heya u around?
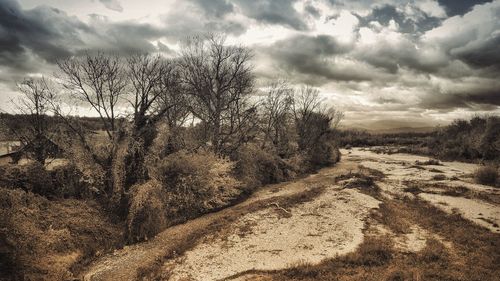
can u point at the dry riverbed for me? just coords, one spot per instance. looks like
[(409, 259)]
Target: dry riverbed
[(367, 218)]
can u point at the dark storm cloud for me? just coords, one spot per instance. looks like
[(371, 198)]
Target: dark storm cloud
[(392, 57), (45, 34), (272, 12), (311, 58), (413, 25), (460, 7), (473, 39), (126, 37), (112, 5), (487, 54), (481, 99), (279, 12), (215, 8), (47, 31), (312, 10), (482, 96)]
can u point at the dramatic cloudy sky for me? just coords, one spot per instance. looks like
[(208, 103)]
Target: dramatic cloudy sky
[(382, 62)]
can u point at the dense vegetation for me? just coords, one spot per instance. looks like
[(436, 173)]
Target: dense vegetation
[(188, 140)]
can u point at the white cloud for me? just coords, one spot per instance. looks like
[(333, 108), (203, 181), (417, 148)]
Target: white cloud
[(342, 27), (432, 8), (474, 26)]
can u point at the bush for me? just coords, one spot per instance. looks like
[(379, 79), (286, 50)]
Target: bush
[(147, 211), (487, 175), (30, 177), (298, 164), (63, 181), (323, 153), (256, 167), (67, 182), (49, 240), (196, 182), (184, 185)]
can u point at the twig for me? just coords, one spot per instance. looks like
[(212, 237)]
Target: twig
[(281, 208)]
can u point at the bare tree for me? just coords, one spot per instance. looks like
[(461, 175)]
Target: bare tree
[(277, 115), (174, 103), (99, 81), (34, 106), (155, 82), (313, 119), (218, 78), (156, 96)]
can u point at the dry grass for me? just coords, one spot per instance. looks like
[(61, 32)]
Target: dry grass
[(413, 187), (455, 191), (51, 240), (439, 177), (433, 162), (363, 179), (487, 175)]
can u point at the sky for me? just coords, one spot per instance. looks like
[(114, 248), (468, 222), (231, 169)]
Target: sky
[(383, 63)]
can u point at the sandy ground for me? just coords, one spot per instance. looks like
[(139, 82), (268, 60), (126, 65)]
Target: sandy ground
[(482, 213), (329, 225), (401, 169), (260, 235)]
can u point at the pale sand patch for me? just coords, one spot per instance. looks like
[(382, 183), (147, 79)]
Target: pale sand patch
[(474, 187), (327, 226), (395, 161), (482, 213)]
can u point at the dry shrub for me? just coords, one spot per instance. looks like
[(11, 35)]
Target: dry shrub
[(93, 175), (147, 211), (428, 162), (323, 153), (64, 181), (67, 182), (298, 164), (256, 167), (30, 177), (434, 252), (50, 240), (196, 182), (184, 185), (363, 179), (439, 177), (487, 175)]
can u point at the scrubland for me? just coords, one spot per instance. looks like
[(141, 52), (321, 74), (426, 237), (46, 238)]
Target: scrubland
[(197, 180), (191, 143)]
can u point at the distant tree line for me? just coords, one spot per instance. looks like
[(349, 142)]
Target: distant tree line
[(477, 139)]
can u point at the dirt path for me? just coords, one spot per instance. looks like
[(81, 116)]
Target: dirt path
[(301, 222)]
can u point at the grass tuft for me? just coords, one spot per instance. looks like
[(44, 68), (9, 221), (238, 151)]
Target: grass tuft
[(487, 175)]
